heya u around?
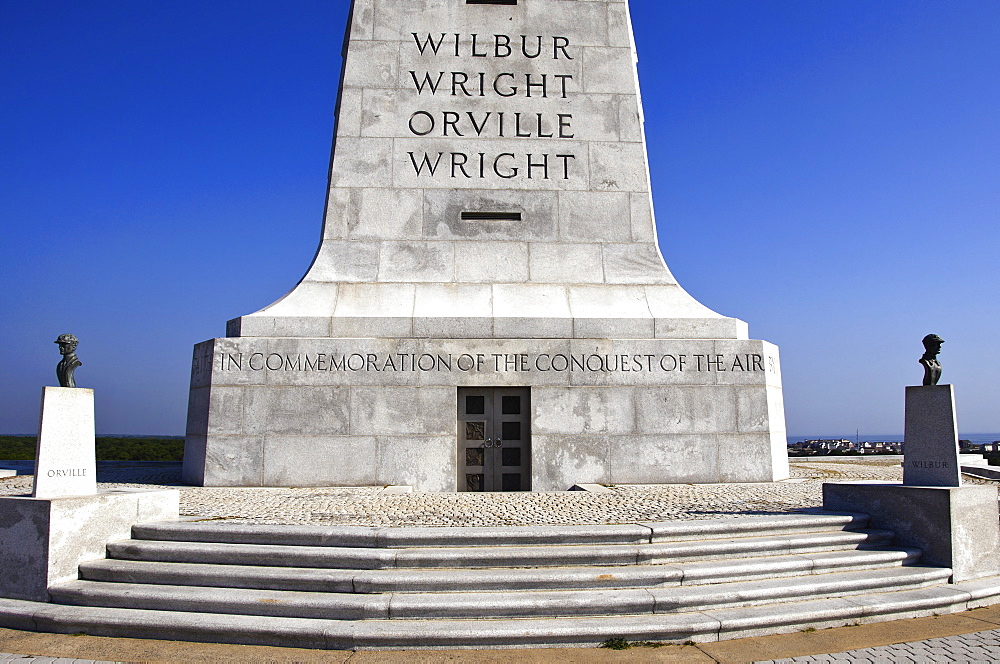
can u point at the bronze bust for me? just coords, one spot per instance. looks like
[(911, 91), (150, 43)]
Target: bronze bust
[(932, 368), (69, 363)]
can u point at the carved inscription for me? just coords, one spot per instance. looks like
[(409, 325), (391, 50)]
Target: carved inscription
[(455, 78), (928, 464), (72, 472), (489, 362)]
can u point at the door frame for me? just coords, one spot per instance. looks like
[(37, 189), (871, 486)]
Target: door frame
[(488, 428)]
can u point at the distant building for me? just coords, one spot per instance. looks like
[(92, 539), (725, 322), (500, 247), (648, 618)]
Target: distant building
[(836, 446), (984, 448)]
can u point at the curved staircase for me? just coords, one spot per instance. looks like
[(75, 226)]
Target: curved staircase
[(353, 588)]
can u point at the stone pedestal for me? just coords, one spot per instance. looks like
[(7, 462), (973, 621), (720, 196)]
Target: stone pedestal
[(65, 461), (930, 451), (44, 540), (956, 527)]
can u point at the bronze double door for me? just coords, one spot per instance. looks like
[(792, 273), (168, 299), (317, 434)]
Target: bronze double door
[(494, 439)]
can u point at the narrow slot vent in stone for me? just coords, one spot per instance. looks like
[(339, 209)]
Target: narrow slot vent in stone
[(491, 2), (491, 216)]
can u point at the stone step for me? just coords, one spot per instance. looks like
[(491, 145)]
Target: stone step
[(363, 537), (493, 557), (492, 604), (444, 580), (703, 626)]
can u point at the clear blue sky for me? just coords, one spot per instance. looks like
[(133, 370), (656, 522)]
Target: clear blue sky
[(827, 170)]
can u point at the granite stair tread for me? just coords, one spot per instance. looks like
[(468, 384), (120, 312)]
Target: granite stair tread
[(491, 604), (440, 588), (806, 520), (498, 556), (700, 626), (452, 579)]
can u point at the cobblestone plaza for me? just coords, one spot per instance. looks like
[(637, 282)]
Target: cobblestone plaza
[(378, 506)]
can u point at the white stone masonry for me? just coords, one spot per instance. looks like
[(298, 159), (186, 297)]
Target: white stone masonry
[(489, 180), (489, 225), (65, 455)]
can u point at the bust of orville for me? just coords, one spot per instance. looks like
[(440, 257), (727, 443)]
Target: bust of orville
[(68, 364)]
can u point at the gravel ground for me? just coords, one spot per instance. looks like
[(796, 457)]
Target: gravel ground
[(371, 506)]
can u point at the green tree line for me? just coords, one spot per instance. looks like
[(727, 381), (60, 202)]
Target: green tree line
[(22, 448)]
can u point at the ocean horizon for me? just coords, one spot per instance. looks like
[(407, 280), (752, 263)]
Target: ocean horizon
[(975, 438)]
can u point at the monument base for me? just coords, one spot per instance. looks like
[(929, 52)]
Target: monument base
[(484, 414), (65, 459), (44, 540), (956, 527)]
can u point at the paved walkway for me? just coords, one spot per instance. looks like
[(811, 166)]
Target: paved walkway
[(9, 658), (977, 647)]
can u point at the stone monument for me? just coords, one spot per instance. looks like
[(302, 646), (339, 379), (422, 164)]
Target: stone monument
[(956, 526), (488, 308), (930, 435), (65, 521), (65, 458)]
